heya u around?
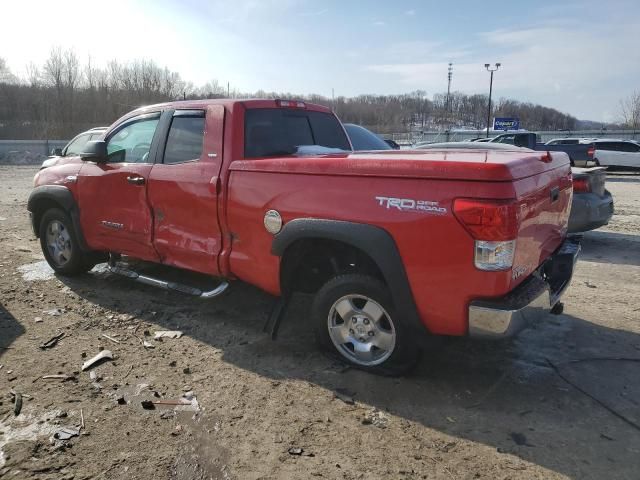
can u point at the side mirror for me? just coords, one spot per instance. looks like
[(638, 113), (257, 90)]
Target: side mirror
[(56, 152), (95, 151)]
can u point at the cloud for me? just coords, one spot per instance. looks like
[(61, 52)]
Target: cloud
[(410, 13), (378, 23)]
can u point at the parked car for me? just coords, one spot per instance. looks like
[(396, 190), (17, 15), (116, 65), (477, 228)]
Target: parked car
[(395, 246), (363, 139), (616, 153), (392, 143), (579, 154), (592, 204), (570, 141), (74, 147)]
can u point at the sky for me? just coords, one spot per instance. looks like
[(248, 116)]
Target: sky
[(580, 57)]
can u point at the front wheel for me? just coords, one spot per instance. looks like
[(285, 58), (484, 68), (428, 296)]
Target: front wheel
[(355, 319), (60, 246)]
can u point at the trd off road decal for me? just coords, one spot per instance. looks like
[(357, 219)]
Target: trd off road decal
[(410, 205)]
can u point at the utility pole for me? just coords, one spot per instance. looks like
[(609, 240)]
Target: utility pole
[(228, 96), (491, 70), (449, 76)]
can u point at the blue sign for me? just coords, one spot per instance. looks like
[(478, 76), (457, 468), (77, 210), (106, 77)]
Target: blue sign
[(501, 123)]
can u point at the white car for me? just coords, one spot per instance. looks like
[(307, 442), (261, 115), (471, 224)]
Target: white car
[(617, 153)]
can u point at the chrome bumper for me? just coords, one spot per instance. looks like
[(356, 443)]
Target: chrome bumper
[(531, 301)]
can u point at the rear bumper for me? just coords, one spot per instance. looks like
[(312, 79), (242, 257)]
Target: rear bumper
[(590, 211), (531, 301)]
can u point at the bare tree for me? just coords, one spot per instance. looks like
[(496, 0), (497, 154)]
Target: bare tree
[(630, 109), (5, 73)]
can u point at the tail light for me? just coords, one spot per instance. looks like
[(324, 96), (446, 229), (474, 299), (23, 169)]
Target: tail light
[(591, 151), (494, 225), (581, 185)]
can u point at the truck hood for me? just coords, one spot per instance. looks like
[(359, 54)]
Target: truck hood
[(449, 164)]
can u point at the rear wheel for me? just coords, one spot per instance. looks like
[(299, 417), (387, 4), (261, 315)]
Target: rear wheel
[(356, 321), (59, 243)]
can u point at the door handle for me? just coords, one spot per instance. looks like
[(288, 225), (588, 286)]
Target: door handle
[(136, 180)]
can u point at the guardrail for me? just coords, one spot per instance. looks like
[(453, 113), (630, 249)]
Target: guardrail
[(42, 147)]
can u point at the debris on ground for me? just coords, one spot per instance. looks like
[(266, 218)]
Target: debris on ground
[(103, 355), (52, 341), (55, 312), (295, 451), (63, 376), (17, 399), (65, 433), (167, 334), (376, 418), (111, 339)]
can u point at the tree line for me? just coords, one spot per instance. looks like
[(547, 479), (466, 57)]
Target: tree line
[(65, 96)]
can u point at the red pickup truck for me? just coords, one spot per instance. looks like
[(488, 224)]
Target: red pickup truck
[(394, 244)]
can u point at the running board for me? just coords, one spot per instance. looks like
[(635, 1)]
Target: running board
[(178, 287)]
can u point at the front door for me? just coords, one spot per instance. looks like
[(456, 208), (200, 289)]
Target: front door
[(183, 189), (115, 214)]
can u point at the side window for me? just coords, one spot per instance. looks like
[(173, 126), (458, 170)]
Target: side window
[(605, 146), (131, 143), (629, 147), (184, 142), (76, 145)]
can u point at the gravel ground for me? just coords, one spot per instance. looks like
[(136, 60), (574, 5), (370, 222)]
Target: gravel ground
[(562, 400)]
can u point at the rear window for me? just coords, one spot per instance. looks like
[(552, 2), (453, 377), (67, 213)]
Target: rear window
[(278, 131)]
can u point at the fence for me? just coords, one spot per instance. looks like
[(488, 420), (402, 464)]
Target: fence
[(410, 138), (35, 147)]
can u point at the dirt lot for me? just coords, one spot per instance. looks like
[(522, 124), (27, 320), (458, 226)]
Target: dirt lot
[(527, 408)]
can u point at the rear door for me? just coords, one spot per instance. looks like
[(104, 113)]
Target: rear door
[(609, 153), (183, 189), (114, 211)]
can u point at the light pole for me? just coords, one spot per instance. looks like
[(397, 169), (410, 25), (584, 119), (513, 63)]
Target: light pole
[(449, 76), (491, 70)]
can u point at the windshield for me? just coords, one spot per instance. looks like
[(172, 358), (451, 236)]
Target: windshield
[(278, 131)]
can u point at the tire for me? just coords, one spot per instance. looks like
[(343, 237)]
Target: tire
[(60, 246), (370, 336)]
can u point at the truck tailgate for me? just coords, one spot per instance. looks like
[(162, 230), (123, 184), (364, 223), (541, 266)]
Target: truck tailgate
[(545, 203)]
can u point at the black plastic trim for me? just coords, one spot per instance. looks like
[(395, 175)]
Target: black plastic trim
[(62, 196), (374, 241)]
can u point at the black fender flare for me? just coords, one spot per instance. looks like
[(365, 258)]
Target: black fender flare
[(59, 195), (374, 241)]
